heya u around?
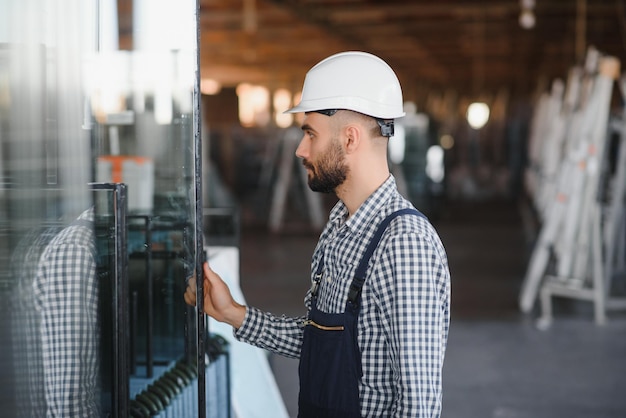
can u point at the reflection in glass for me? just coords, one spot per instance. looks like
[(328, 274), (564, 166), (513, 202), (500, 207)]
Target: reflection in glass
[(87, 329), (152, 152), (48, 326)]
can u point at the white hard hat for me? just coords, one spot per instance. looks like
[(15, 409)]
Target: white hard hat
[(355, 81)]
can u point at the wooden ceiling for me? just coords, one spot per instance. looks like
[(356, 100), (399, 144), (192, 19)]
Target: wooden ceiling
[(463, 46)]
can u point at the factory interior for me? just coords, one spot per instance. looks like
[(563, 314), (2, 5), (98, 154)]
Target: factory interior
[(153, 132)]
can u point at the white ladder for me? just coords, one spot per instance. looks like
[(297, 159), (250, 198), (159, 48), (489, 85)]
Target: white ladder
[(608, 233), (572, 218)]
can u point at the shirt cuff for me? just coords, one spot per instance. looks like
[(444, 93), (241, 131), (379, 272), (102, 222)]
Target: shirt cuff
[(252, 327)]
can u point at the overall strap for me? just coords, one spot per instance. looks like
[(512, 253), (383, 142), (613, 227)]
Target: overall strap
[(359, 276)]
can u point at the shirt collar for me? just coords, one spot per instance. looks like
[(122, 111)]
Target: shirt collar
[(87, 215), (373, 206)]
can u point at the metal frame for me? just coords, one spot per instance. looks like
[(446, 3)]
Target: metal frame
[(120, 311), (201, 322)]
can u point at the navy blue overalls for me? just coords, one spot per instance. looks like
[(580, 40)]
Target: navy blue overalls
[(330, 360)]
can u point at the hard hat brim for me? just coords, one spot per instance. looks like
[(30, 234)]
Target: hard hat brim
[(309, 107)]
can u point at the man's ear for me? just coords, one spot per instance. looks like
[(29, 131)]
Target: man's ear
[(353, 137)]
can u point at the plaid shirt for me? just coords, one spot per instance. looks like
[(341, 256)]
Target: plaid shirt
[(66, 298), (404, 318), (27, 360)]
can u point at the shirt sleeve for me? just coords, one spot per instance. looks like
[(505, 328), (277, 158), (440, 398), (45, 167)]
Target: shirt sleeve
[(417, 311), (66, 292), (278, 334)]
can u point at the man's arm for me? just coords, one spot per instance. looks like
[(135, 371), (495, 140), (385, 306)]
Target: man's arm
[(419, 324)]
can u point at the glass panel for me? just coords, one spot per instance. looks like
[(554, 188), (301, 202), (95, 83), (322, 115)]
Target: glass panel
[(48, 292), (92, 319), (156, 161), (142, 100)]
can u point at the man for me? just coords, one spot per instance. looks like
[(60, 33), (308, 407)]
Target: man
[(368, 347)]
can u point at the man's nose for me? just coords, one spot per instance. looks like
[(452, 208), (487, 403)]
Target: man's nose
[(301, 151)]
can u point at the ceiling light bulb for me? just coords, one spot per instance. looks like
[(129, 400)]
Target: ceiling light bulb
[(477, 114), (210, 86), (527, 19)]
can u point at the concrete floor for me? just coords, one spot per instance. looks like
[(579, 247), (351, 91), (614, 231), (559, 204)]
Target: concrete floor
[(498, 364)]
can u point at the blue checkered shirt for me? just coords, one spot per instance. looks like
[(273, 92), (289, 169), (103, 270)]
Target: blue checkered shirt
[(66, 298), (405, 309)]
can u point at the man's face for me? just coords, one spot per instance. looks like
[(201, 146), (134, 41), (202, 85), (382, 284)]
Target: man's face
[(322, 154)]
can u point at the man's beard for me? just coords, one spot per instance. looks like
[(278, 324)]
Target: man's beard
[(330, 171)]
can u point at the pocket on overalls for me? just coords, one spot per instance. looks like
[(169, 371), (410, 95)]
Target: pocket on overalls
[(328, 375)]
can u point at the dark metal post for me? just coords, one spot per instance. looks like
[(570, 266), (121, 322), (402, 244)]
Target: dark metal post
[(121, 313), (150, 324), (200, 316)]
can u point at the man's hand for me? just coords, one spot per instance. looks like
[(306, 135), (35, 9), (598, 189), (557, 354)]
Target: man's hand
[(190, 292), (218, 301)]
